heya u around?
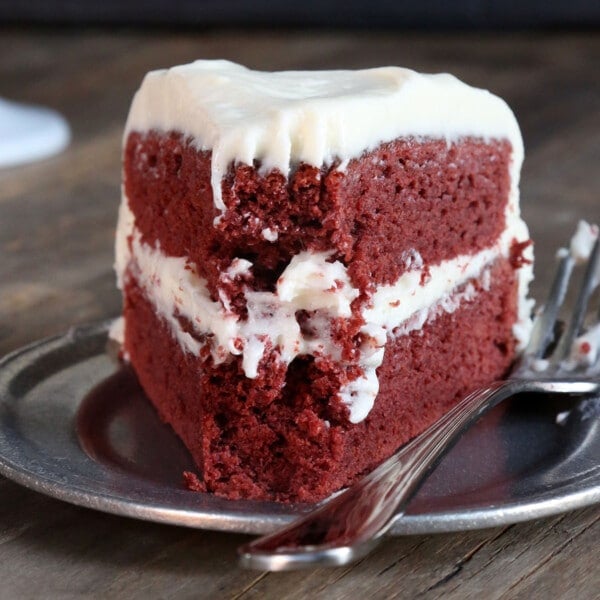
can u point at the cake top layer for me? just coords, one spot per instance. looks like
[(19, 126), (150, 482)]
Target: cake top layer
[(316, 117)]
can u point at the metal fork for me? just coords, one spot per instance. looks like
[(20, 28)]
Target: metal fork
[(349, 525)]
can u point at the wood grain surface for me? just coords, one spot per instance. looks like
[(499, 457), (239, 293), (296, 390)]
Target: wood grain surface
[(57, 223)]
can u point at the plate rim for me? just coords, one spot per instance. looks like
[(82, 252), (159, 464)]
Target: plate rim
[(247, 523)]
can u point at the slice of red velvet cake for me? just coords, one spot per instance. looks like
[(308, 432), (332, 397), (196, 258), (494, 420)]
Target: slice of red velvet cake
[(316, 265)]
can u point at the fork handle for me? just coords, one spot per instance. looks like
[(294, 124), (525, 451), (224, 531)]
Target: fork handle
[(348, 526)]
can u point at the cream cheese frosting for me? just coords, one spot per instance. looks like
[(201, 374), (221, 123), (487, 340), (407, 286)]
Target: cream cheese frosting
[(582, 243), (316, 117), (279, 120), (311, 282)]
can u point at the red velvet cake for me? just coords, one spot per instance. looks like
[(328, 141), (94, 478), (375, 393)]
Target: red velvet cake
[(316, 265)]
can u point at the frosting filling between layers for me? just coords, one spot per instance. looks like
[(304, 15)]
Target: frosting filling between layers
[(315, 283)]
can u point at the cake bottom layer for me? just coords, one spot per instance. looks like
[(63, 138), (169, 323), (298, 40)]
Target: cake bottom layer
[(285, 436)]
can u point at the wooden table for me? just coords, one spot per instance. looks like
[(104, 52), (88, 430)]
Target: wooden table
[(57, 221)]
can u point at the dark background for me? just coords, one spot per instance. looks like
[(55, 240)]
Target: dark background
[(436, 14)]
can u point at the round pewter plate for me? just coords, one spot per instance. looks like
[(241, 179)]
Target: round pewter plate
[(75, 425)]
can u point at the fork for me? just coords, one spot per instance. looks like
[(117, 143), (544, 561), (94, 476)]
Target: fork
[(349, 525)]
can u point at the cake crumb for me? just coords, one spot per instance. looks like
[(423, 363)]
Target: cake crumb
[(192, 482)]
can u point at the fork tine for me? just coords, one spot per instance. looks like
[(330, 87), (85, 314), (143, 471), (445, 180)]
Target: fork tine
[(543, 326), (589, 283)]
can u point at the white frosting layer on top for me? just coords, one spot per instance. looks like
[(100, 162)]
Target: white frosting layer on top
[(316, 117)]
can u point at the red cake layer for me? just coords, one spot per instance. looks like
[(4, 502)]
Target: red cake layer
[(261, 439), (371, 214)]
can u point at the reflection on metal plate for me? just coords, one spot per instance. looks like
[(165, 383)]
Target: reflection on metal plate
[(75, 425)]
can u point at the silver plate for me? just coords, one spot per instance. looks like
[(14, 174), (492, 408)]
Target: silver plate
[(75, 425)]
